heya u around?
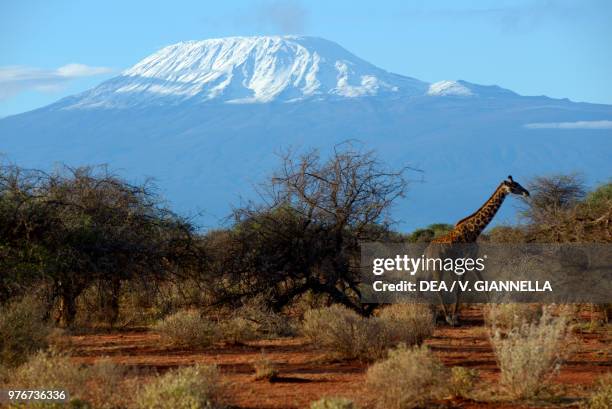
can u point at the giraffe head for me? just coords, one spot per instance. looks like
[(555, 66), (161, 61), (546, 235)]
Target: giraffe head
[(514, 187)]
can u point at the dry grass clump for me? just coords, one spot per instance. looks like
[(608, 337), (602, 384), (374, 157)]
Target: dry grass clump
[(408, 378), (253, 320), (407, 323), (463, 380), (343, 332), (347, 335), (528, 355), (86, 385), (511, 315), (237, 330), (194, 387), (51, 370), (602, 395), (192, 329), (332, 403), (105, 385), (265, 369), (188, 328), (23, 330)]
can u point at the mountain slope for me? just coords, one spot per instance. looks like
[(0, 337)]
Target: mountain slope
[(161, 118)]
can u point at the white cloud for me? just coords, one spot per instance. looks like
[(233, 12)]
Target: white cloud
[(81, 70), (571, 125), (16, 79)]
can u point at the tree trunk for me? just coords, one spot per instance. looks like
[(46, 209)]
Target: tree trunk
[(67, 308), (67, 294), (114, 301)]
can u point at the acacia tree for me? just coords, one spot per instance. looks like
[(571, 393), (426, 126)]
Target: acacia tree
[(560, 210), (78, 226), (552, 195), (305, 234)]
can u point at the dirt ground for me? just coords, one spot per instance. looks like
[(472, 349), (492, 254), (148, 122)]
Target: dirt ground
[(305, 374)]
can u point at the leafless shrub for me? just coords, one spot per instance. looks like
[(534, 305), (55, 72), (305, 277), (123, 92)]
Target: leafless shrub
[(304, 236), (266, 323), (550, 196)]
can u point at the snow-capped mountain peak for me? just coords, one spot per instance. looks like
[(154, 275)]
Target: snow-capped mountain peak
[(248, 70)]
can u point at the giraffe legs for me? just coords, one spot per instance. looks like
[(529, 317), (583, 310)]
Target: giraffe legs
[(454, 317), (437, 276), (449, 311)]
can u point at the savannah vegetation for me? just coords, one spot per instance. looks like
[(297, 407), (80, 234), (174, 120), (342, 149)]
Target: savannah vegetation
[(85, 252)]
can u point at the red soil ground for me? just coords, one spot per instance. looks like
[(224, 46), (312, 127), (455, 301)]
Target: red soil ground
[(305, 375)]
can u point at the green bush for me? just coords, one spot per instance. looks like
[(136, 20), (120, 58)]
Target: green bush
[(188, 328), (194, 387), (23, 330), (332, 403), (600, 197), (408, 378)]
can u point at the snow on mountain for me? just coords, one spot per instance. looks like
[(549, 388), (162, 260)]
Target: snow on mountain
[(446, 88), (466, 89), (247, 70)]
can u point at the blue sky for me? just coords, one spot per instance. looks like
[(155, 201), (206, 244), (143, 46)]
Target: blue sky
[(50, 49)]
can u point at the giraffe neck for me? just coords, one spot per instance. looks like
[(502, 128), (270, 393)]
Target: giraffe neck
[(471, 226)]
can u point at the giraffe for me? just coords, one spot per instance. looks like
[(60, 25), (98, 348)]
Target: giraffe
[(467, 231)]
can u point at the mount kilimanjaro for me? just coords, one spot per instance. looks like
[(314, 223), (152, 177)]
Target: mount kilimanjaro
[(205, 118)]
